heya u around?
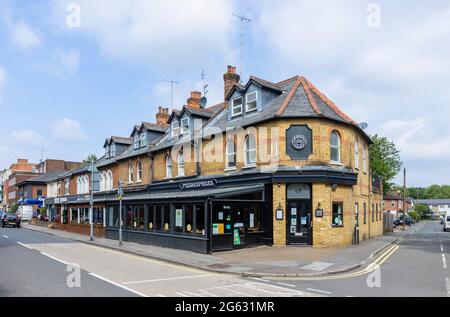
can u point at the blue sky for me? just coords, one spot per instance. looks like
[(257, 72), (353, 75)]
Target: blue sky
[(64, 90)]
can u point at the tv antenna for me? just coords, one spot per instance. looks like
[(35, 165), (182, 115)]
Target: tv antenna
[(243, 20), (205, 85), (42, 156), (172, 84)]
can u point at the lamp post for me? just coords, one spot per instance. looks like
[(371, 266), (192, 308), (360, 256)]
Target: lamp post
[(120, 194), (91, 202)]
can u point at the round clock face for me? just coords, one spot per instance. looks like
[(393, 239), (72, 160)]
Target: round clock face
[(299, 142)]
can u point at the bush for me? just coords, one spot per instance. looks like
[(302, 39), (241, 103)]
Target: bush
[(14, 208), (415, 215)]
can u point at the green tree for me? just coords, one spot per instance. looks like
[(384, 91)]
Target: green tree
[(385, 161), (14, 208), (89, 159), (423, 211)]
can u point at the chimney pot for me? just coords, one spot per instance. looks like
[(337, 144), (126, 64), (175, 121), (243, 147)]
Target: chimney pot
[(194, 100), (231, 79), (162, 117)]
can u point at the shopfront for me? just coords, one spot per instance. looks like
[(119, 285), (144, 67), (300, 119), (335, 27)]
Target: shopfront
[(299, 214)]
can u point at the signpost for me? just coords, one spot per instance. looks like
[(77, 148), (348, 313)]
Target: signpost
[(95, 179), (120, 194)]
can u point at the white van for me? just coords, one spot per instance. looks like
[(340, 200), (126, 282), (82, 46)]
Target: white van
[(447, 222), (25, 212)]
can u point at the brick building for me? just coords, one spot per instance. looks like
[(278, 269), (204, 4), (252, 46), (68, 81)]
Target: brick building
[(275, 163)]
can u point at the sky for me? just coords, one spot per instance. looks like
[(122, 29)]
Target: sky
[(73, 73)]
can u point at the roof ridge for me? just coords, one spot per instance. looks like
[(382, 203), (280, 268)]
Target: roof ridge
[(289, 97), (287, 80), (330, 103), (311, 100)]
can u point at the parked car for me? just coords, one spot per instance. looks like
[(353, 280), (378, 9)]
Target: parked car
[(447, 223), (11, 220), (25, 212), (399, 221)]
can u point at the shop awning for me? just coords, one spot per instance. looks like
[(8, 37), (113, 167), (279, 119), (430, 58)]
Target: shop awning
[(206, 193)]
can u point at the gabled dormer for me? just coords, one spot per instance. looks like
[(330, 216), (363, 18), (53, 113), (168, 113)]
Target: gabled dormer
[(147, 133), (251, 98), (115, 146)]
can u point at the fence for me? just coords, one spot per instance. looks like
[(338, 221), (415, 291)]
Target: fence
[(388, 222)]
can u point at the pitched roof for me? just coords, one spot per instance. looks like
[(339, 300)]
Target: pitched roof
[(43, 178), (121, 140), (155, 127)]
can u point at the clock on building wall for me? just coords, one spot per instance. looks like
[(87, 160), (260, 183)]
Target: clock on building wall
[(299, 142), (299, 145)]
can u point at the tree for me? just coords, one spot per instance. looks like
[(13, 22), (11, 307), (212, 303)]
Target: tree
[(14, 208), (89, 159), (385, 161), (422, 210)]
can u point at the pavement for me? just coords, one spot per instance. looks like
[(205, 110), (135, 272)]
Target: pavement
[(263, 261)]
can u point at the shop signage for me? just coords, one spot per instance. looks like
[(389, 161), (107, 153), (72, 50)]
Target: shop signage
[(319, 213), (236, 237), (199, 185)]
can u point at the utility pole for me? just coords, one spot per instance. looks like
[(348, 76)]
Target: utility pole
[(404, 199), (120, 194), (243, 21)]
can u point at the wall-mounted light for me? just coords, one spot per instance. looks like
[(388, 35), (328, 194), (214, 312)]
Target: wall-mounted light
[(334, 187)]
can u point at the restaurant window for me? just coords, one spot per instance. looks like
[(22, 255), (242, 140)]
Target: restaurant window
[(129, 216), (222, 219), (200, 219), (151, 218), (189, 218), (166, 218), (338, 215), (180, 164), (98, 216), (168, 166), (74, 217), (138, 222), (231, 154), (254, 220), (113, 216), (250, 150), (335, 147), (159, 218), (178, 218)]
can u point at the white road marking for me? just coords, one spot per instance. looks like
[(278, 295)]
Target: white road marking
[(444, 261), (285, 284), (318, 291), (260, 279), (447, 285), (24, 245), (118, 285), (53, 258), (442, 248), (6, 237), (166, 279)]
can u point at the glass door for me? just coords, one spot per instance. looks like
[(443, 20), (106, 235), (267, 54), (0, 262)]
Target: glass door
[(299, 222)]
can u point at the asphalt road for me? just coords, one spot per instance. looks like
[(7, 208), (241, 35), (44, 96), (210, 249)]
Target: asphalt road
[(35, 264)]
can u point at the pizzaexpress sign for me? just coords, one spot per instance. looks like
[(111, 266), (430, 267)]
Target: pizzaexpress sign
[(199, 185)]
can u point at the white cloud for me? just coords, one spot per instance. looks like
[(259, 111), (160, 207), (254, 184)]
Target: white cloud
[(28, 137), (174, 33), (68, 130), (68, 60), (23, 36)]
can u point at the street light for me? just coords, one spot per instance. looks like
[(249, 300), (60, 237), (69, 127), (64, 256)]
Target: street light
[(120, 196)]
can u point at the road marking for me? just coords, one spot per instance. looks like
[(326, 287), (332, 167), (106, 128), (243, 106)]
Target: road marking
[(318, 291), (24, 245), (442, 248), (260, 279), (444, 261), (447, 285), (117, 284), (166, 279), (4, 236), (53, 258), (285, 284)]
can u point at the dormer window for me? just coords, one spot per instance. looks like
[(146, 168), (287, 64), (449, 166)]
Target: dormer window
[(107, 152), (136, 142), (143, 139), (251, 103), (175, 128), (236, 106), (112, 151), (184, 129)]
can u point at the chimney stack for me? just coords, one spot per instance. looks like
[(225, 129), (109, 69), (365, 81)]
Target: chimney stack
[(194, 100), (231, 79), (162, 116)]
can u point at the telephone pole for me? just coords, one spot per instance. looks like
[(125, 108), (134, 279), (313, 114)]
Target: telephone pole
[(404, 199)]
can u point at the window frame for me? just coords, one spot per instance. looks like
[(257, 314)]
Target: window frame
[(136, 141), (228, 165), (180, 164), (143, 139), (175, 126), (169, 160), (247, 102), (130, 173), (247, 151), (233, 107), (341, 213), (184, 126), (139, 171), (338, 147)]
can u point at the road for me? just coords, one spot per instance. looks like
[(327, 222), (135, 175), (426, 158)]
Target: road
[(35, 264)]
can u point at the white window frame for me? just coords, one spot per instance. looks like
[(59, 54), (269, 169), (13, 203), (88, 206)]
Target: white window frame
[(107, 151), (228, 154), (356, 155), (175, 126), (143, 139), (247, 102), (181, 164), (112, 150), (248, 150), (138, 172), (184, 128), (136, 141), (332, 146), (169, 164), (233, 114), (109, 181), (130, 173)]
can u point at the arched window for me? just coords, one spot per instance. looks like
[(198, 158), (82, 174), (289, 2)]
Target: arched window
[(130, 173), (180, 164), (110, 181), (78, 185), (139, 171), (168, 166), (250, 150), (356, 154), (230, 154), (102, 182), (335, 147)]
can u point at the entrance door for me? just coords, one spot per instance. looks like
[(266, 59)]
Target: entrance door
[(299, 222), (299, 214)]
